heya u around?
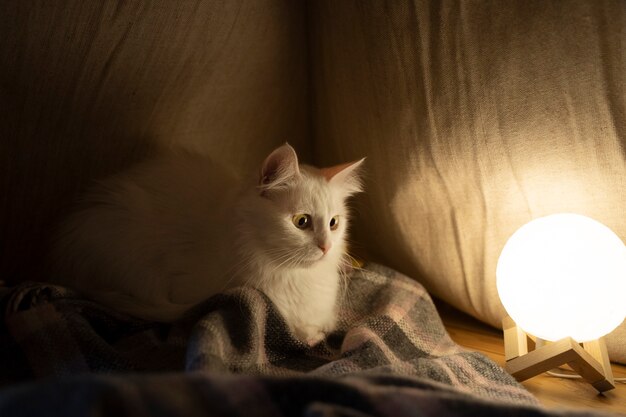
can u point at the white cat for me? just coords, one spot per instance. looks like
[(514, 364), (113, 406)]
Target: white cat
[(166, 235)]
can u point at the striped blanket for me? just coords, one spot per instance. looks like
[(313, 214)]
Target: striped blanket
[(233, 355)]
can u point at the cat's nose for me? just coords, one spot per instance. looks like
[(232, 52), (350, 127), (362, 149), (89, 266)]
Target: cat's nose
[(325, 247)]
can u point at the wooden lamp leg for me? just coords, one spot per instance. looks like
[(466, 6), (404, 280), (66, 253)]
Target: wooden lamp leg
[(515, 339), (597, 350)]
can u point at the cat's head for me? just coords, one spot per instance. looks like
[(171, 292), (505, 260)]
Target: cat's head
[(302, 215)]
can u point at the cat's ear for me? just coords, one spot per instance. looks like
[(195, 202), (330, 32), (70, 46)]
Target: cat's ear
[(347, 176), (279, 169)]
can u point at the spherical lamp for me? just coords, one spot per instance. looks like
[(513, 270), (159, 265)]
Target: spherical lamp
[(562, 279), (564, 275)]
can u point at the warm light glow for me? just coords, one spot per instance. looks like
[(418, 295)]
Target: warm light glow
[(564, 275)]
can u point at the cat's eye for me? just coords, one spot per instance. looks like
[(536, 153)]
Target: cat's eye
[(334, 223), (301, 221)]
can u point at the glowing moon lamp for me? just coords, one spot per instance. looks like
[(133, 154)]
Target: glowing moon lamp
[(562, 279), (564, 275)]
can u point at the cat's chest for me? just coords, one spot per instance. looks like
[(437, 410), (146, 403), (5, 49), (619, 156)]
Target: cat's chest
[(303, 286)]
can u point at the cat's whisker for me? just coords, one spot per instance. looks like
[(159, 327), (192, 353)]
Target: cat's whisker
[(287, 257), (349, 261)]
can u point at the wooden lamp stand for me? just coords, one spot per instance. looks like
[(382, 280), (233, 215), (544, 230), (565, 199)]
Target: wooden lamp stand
[(591, 361)]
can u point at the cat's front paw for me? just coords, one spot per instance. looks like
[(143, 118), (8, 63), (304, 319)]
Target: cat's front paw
[(310, 334)]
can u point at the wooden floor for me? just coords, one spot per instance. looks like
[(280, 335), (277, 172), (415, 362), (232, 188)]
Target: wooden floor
[(551, 391)]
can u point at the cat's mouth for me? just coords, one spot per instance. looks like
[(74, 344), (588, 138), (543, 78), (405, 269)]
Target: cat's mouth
[(307, 261), (322, 256), (314, 259)]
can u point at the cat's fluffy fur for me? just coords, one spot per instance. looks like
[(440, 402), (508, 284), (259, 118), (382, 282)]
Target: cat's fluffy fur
[(166, 235)]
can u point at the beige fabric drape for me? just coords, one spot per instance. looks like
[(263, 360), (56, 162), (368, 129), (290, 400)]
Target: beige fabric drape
[(476, 117)]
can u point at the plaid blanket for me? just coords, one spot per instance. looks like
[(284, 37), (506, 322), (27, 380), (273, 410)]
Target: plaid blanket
[(233, 355)]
